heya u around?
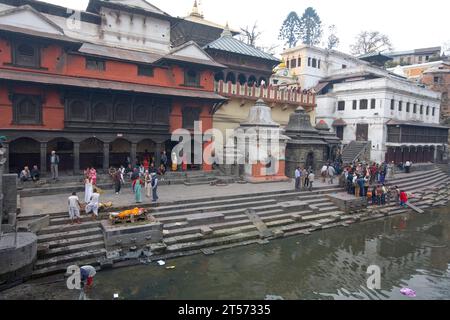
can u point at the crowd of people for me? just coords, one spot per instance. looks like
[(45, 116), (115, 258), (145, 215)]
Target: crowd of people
[(370, 181)]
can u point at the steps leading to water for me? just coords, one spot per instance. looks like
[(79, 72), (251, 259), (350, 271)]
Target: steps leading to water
[(217, 222)]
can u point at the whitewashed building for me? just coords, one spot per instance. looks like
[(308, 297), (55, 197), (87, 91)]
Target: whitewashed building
[(363, 102)]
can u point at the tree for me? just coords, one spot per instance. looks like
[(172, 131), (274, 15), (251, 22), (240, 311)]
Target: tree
[(250, 36), (333, 40), (310, 27), (369, 42), (290, 29)]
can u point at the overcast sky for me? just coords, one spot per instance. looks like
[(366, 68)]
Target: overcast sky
[(410, 24)]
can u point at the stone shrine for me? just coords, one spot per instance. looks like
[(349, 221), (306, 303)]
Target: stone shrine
[(308, 147), (261, 145)]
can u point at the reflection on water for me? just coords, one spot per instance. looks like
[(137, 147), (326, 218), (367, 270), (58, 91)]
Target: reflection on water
[(411, 250)]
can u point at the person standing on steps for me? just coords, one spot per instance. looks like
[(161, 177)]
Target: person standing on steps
[(117, 178), (298, 175), (93, 204), (391, 171), (154, 184), (311, 177), (138, 190), (88, 189), (74, 208), (54, 163), (147, 184), (331, 173), (408, 165)]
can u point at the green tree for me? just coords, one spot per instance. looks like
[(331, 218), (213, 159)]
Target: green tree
[(310, 27), (290, 29)]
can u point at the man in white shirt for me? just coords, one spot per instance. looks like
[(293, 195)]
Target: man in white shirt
[(331, 174), (74, 208), (323, 172), (93, 205), (298, 175), (311, 177), (408, 166)]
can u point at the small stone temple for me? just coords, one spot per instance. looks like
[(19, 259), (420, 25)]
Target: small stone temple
[(308, 147), (261, 145)]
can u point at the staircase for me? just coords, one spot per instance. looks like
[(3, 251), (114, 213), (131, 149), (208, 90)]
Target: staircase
[(355, 150), (218, 222)]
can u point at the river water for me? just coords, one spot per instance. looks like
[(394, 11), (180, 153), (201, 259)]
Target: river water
[(411, 251)]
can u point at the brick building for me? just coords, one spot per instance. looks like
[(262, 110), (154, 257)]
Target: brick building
[(97, 86)]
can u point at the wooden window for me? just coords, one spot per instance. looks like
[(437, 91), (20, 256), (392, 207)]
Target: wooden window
[(341, 105), (421, 109), (340, 132), (392, 104), (122, 112), (428, 110), (434, 111), (293, 63), (78, 110), (299, 62), (145, 71), (27, 109), (408, 107), (400, 106), (191, 78), (344, 66), (100, 112), (373, 103), (26, 55), (415, 108), (161, 115), (190, 115), (363, 104), (287, 64), (354, 104), (314, 63), (95, 64), (309, 62), (318, 64)]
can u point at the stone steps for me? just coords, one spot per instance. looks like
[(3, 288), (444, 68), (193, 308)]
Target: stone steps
[(71, 257), (79, 247), (69, 227), (68, 234), (72, 242)]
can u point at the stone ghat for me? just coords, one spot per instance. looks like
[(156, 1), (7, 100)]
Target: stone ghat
[(209, 225)]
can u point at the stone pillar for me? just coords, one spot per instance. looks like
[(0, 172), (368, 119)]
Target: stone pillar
[(76, 158), (6, 157), (158, 155), (133, 154), (43, 166), (106, 157)]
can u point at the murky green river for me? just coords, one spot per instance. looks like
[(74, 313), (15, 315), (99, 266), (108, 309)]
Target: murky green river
[(411, 250)]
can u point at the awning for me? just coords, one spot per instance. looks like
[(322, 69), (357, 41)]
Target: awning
[(339, 123), (319, 87), (52, 79)]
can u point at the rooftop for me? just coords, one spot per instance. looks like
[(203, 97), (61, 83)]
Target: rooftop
[(229, 44), (415, 51)]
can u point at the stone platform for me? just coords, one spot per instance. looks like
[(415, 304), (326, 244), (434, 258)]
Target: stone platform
[(347, 202), (120, 236)]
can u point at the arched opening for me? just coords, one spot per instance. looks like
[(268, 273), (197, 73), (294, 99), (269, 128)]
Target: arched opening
[(231, 78), (242, 79), (146, 149), (309, 164), (91, 153), (262, 82), (119, 151), (64, 149), (219, 76), (24, 152), (252, 81)]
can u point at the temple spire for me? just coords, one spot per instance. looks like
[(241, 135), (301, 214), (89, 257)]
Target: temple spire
[(195, 11), (226, 32)]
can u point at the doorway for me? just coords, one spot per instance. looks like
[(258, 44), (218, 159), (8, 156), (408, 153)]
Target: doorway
[(362, 132)]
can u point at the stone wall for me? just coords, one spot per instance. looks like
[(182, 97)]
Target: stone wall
[(10, 195)]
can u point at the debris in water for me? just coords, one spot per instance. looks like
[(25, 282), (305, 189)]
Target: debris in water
[(170, 267), (273, 297), (161, 262), (408, 292)]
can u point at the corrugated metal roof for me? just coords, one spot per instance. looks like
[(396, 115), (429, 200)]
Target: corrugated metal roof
[(121, 54), (53, 79), (393, 122), (231, 44)]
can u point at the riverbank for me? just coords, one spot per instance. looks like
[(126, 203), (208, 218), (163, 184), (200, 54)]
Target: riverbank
[(222, 222), (412, 250)]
